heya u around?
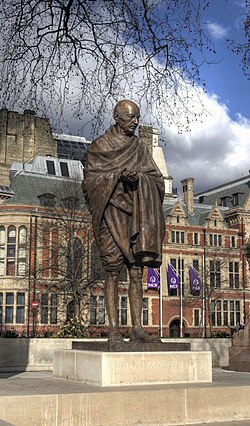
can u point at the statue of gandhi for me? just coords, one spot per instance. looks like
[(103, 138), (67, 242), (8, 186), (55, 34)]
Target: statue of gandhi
[(124, 190)]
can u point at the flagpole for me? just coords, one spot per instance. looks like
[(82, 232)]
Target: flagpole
[(160, 301), (203, 295), (181, 295)]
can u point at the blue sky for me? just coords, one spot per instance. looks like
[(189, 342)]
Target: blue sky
[(224, 19), (217, 149)]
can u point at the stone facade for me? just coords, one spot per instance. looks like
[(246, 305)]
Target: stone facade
[(22, 136)]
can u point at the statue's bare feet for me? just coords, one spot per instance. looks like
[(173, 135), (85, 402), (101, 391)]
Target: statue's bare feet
[(115, 336), (139, 335)]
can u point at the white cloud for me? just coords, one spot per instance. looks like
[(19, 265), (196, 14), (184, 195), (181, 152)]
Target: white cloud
[(215, 151), (216, 30)]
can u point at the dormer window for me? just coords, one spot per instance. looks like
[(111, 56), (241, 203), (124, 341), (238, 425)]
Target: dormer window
[(47, 200), (224, 201), (64, 168), (51, 167), (70, 203)]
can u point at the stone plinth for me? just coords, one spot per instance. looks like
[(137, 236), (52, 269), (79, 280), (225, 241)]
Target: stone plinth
[(133, 368), (131, 346), (239, 353)]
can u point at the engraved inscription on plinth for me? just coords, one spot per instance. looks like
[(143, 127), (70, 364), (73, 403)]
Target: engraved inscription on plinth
[(158, 368), (138, 368)]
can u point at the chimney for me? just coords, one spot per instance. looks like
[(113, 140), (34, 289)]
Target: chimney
[(188, 193)]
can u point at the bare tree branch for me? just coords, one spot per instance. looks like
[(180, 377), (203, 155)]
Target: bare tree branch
[(84, 55)]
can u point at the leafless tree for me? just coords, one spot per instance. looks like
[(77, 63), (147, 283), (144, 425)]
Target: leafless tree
[(68, 264), (85, 55), (215, 281), (243, 48)]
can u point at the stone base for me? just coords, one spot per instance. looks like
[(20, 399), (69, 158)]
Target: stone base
[(132, 368), (239, 359), (134, 346)]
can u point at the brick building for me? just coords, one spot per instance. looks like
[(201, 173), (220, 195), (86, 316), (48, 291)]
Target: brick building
[(206, 231)]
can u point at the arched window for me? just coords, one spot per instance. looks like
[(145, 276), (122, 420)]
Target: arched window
[(11, 251), (47, 200), (22, 250)]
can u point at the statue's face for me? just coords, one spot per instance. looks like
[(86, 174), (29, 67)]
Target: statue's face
[(127, 118)]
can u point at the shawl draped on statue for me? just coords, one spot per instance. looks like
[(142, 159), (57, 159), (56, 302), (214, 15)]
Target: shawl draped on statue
[(132, 211)]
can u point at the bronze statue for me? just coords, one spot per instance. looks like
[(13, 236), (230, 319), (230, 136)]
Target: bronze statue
[(124, 190)]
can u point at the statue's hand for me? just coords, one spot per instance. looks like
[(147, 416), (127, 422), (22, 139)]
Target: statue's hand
[(129, 176)]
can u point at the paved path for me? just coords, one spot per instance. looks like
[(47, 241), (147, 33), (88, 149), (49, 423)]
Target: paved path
[(43, 383)]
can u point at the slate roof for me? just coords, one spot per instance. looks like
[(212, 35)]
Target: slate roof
[(239, 186), (28, 187)]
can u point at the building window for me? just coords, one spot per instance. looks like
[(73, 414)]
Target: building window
[(215, 223), (235, 199), (196, 240), (218, 313), (101, 310), (178, 237), (20, 306), (9, 308), (215, 240), (64, 169), (215, 273), (225, 313), (47, 200), (196, 264), (92, 309), (13, 252), (234, 275), (196, 317), (224, 201), (145, 311), (22, 251), (12, 308), (97, 313), (48, 308), (44, 309), (233, 241), (124, 311), (53, 308), (51, 167), (177, 219)]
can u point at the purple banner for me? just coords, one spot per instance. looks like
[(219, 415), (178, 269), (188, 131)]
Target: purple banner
[(173, 280), (153, 279), (195, 281)]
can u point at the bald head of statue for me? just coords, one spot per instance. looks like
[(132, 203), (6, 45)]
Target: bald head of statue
[(126, 115)]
